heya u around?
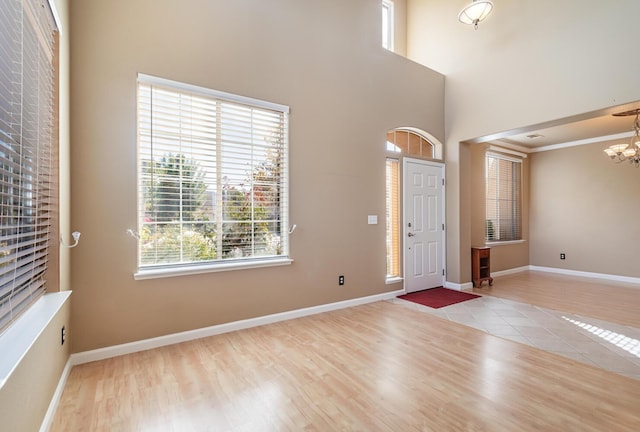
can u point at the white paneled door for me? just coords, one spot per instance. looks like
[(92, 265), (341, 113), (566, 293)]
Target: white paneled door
[(423, 224)]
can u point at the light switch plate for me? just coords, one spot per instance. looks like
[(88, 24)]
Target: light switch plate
[(372, 219)]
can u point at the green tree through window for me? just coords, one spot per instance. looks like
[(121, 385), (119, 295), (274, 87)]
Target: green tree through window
[(212, 179)]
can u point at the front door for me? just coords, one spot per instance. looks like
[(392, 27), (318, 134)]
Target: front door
[(423, 224)]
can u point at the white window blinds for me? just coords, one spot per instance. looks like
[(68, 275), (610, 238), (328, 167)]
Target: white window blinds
[(212, 176), (393, 217), (27, 186), (503, 198)]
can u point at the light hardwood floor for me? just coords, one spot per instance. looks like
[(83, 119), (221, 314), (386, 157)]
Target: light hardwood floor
[(376, 367), (596, 298)]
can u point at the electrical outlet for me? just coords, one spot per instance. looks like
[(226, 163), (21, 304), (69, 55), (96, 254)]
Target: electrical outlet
[(562, 256), (63, 335), (340, 280)]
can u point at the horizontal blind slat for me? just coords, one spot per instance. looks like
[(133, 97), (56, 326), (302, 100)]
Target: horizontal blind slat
[(212, 199), (26, 184), (503, 198)]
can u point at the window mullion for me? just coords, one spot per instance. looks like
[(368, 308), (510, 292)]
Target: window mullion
[(219, 189), (252, 220), (179, 160)]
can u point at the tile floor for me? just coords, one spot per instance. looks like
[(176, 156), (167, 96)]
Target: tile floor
[(613, 347)]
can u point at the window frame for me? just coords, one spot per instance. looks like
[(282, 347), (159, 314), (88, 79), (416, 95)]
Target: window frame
[(156, 270), (515, 202), (393, 236), (29, 150), (389, 28)]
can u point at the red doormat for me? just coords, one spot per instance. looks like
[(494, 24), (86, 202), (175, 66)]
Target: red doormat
[(438, 297)]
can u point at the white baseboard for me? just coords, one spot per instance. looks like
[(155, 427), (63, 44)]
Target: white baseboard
[(457, 286), (55, 400), (146, 344), (617, 278), (510, 271)]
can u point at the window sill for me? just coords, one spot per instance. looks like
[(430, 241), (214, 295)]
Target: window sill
[(156, 273), (20, 336), (392, 280), (504, 243)]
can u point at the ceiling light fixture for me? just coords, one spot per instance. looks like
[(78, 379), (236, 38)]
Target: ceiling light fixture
[(475, 12), (631, 152)]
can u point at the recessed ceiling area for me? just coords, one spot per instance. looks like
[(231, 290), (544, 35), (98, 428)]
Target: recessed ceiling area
[(590, 126)]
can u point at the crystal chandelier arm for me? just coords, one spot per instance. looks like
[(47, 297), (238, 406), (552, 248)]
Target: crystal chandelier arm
[(631, 152)]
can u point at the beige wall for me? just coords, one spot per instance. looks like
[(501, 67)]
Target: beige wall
[(586, 206), (400, 27), (530, 62), (324, 59)]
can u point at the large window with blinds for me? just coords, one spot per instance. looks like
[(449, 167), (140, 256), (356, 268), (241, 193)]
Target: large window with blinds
[(213, 176), (503, 220), (27, 183)]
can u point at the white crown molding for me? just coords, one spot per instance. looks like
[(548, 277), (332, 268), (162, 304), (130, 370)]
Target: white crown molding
[(500, 149), (582, 142), (508, 145), (512, 146)]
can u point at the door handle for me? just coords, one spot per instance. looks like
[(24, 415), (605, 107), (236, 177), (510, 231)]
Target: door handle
[(411, 234)]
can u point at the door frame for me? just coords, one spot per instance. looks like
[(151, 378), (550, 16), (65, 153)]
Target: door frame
[(441, 165)]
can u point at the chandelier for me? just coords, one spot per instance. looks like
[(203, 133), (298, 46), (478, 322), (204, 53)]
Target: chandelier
[(631, 152), (475, 12)]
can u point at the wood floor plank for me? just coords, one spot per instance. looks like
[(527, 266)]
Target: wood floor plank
[(376, 367)]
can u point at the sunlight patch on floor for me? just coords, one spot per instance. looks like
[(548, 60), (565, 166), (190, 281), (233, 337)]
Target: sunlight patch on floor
[(626, 343)]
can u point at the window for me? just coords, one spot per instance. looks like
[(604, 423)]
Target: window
[(504, 198), (387, 24), (27, 182), (212, 176), (393, 218), (409, 143)]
